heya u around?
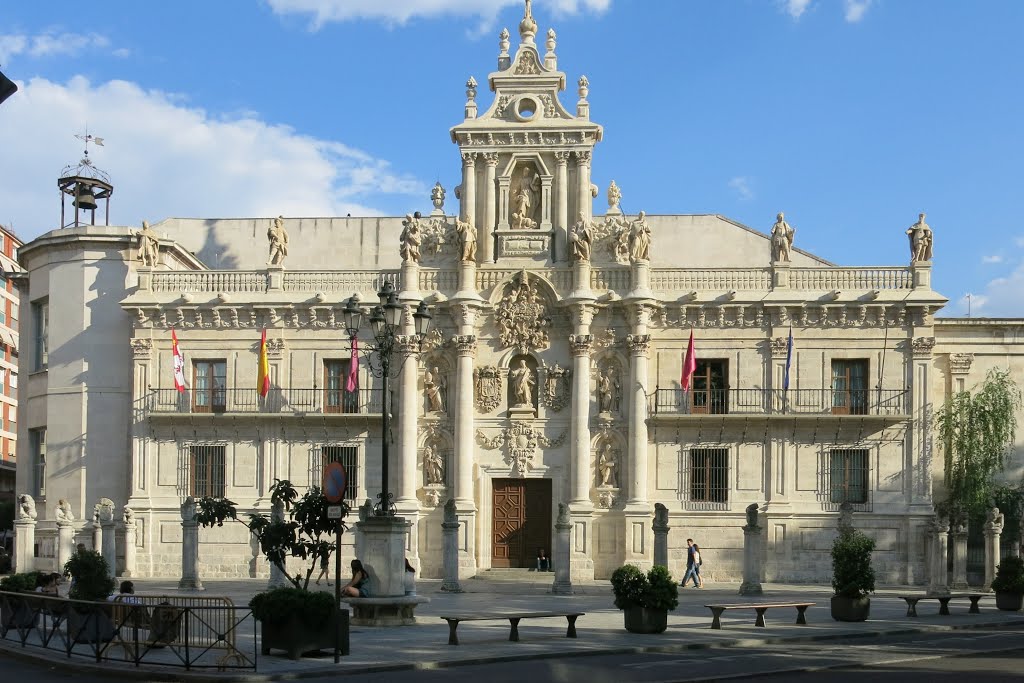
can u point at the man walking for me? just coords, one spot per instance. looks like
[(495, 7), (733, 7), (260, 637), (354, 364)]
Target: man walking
[(692, 564)]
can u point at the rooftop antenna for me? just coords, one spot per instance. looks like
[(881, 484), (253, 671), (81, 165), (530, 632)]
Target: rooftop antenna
[(968, 305)]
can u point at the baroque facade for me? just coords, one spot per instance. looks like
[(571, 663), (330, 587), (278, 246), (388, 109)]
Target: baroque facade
[(552, 375)]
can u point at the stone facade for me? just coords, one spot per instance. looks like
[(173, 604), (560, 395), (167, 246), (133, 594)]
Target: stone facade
[(552, 376)]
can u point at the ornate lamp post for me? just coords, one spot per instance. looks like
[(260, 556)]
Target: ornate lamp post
[(385, 322)]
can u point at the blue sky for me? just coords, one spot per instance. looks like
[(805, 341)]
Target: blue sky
[(850, 115)]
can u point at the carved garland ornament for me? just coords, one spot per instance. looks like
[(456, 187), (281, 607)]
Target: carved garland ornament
[(521, 441)]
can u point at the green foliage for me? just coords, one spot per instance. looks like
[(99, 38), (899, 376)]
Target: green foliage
[(852, 575), (314, 609), (91, 575), (655, 590), (1010, 501), (1009, 576), (977, 432), (20, 582), (307, 534)]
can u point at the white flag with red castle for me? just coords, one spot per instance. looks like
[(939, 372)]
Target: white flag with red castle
[(179, 364)]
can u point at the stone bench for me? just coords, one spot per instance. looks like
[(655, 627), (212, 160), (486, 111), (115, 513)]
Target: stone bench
[(761, 607), (398, 610), (513, 619), (912, 601)]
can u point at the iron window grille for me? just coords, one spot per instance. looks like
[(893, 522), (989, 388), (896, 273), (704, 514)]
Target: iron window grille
[(206, 471), (846, 478), (348, 456), (706, 479)]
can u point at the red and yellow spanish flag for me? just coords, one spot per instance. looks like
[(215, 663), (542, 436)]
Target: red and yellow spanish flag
[(179, 363), (263, 373)]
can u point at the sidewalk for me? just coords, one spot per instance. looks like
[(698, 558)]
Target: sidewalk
[(425, 645)]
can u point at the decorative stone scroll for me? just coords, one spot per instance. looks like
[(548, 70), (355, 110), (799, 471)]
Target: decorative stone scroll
[(521, 441)]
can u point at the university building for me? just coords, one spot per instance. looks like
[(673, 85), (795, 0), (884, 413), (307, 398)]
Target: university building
[(552, 375)]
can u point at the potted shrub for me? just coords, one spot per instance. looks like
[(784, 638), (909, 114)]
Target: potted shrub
[(852, 576), (15, 612), (1009, 584), (295, 620), (645, 599), (91, 582)]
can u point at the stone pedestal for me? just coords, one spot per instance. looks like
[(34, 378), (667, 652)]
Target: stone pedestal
[(410, 281), (780, 274), (110, 546), (97, 537), (384, 555), (467, 281), (641, 281), (751, 561), (938, 572), (450, 550), (563, 551), (959, 558), (129, 549), (189, 548), (24, 545), (518, 413), (275, 278), (993, 530), (65, 543), (661, 528)]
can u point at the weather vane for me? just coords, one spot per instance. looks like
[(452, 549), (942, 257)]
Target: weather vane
[(87, 138)]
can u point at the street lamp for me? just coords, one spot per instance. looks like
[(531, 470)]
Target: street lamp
[(385, 319)]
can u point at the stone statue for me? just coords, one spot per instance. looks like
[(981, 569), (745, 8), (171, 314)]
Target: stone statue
[(149, 246), (522, 384), (435, 389), (920, 241), (188, 510), (581, 239), (782, 239), (640, 239), (563, 515), (128, 515), (63, 512), (606, 466), (106, 510), (365, 510), (451, 515), (27, 508), (752, 515), (278, 237), (433, 466), (994, 519), (467, 239), (411, 238), (660, 515), (437, 196), (525, 200), (607, 391), (614, 197), (96, 514)]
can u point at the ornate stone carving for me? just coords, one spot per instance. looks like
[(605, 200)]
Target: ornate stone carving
[(432, 497), (583, 87), (527, 65), (465, 344), (27, 508), (960, 363), (779, 347), (435, 390), (521, 441), (639, 239), (128, 515), (523, 318), (188, 509), (782, 240), (149, 246), (487, 387), (275, 348), (438, 193), (524, 200), (142, 348), (581, 344), (467, 240), (920, 241), (614, 198), (433, 341), (609, 390), (522, 380), (278, 238), (638, 344), (433, 466), (411, 238), (606, 498), (581, 238), (607, 466), (556, 387), (105, 509), (922, 346), (63, 513)]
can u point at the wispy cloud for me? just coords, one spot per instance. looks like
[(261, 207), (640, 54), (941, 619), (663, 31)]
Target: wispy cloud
[(741, 185), (854, 10), (993, 258), (52, 44), (796, 8)]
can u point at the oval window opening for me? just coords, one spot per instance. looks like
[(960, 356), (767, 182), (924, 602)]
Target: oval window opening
[(527, 108)]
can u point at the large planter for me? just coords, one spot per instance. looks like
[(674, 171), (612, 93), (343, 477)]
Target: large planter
[(1011, 602), (90, 625), (298, 638), (851, 609), (645, 619)]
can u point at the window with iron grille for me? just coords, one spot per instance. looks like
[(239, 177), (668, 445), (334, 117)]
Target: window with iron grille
[(37, 449), (209, 383), (848, 475), (348, 456), (709, 475), (337, 399), (206, 471)]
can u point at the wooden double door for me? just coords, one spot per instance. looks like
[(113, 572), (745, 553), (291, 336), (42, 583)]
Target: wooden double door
[(521, 521)]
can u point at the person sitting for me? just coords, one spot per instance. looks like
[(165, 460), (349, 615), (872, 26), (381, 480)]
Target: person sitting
[(47, 584), (126, 594), (357, 587), (543, 564)]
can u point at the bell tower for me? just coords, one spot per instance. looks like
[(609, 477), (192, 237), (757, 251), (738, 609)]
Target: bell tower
[(86, 186)]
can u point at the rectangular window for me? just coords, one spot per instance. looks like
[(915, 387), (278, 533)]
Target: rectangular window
[(209, 386), (14, 311), (709, 475), (206, 471), (41, 324), (14, 383), (37, 451), (850, 387), (12, 412), (711, 387), (336, 398), (848, 475), (348, 456)]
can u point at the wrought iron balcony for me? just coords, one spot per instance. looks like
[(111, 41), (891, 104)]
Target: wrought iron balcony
[(278, 401), (776, 402)]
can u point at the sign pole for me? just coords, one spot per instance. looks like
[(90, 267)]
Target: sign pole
[(337, 593), (334, 481)]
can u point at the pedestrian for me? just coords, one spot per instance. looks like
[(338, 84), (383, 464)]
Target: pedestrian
[(543, 563), (692, 564), (357, 587), (324, 562)]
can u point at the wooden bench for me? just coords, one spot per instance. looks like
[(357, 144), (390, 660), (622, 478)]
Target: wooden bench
[(761, 607), (912, 601), (513, 619)]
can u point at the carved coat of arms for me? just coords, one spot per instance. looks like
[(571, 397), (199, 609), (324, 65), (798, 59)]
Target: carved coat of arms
[(556, 387), (487, 381), (523, 319)]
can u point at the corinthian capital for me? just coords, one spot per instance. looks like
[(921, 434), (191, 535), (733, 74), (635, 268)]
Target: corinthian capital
[(465, 344), (638, 344), (581, 344)]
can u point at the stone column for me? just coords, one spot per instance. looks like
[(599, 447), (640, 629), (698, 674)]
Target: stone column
[(189, 547), (450, 551), (97, 531), (993, 530), (562, 206), (637, 511), (919, 436), (465, 344), (469, 187), (408, 413), (582, 473), (485, 235), (277, 578), (65, 542), (938, 574), (546, 215), (109, 544), (751, 554), (583, 202), (959, 535), (142, 353), (24, 544), (661, 528), (563, 551), (128, 516), (504, 185)]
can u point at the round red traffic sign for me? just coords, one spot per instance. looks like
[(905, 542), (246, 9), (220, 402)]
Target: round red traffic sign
[(334, 482)]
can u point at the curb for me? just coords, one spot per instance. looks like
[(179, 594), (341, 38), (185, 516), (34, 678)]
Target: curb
[(120, 671)]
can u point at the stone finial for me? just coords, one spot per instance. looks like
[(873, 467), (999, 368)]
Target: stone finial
[(365, 510), (188, 509), (563, 515), (128, 515), (471, 98), (660, 517), (503, 43), (106, 510), (614, 199), (584, 87), (528, 26), (437, 197), (551, 42)]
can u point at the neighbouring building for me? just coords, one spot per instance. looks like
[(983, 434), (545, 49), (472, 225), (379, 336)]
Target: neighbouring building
[(9, 314)]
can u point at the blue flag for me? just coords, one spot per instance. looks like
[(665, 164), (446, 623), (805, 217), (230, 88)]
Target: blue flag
[(789, 359)]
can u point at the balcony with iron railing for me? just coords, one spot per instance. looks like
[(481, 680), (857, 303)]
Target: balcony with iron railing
[(676, 403), (281, 401)]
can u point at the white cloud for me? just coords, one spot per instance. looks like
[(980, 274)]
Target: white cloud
[(994, 258), (854, 10), (741, 185), (796, 8), (51, 44), (167, 159), (1003, 297), (401, 11)]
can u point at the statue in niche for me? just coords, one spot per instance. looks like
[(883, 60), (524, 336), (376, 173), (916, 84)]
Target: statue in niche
[(606, 466), (63, 512), (782, 239), (608, 391), (614, 197), (411, 238), (525, 200), (467, 239), (278, 238), (581, 239), (435, 388), (149, 246), (640, 239), (523, 382), (920, 241), (433, 466)]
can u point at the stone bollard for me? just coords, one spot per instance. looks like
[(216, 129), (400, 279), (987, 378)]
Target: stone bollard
[(25, 534), (563, 578), (938, 571), (993, 531), (450, 530), (189, 547), (751, 542), (661, 528), (65, 533), (128, 516), (959, 556), (109, 540), (277, 578)]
